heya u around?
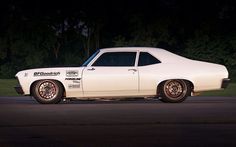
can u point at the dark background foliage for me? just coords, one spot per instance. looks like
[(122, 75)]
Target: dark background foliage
[(64, 33)]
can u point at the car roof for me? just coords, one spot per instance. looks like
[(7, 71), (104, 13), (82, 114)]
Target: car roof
[(130, 49)]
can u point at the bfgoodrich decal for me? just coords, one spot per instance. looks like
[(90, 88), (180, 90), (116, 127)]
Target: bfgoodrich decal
[(46, 73)]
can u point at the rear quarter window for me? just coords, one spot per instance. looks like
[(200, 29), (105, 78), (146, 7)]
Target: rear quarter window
[(147, 59)]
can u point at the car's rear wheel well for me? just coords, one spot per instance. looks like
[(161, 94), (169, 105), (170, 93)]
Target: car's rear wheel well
[(32, 85), (189, 83)]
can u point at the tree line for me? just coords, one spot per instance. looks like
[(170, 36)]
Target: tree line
[(32, 39)]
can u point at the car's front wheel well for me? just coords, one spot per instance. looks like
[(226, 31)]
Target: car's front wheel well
[(189, 83), (32, 86)]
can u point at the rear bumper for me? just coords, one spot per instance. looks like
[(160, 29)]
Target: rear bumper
[(225, 83), (19, 89)]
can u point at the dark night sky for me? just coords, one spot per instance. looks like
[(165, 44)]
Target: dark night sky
[(197, 8), (189, 13)]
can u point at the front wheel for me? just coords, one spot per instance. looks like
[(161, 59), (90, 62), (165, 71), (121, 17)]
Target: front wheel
[(174, 91), (47, 91)]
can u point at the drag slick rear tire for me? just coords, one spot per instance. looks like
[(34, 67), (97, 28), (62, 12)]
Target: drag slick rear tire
[(175, 91), (47, 91)]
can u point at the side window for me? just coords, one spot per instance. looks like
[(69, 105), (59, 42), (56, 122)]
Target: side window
[(116, 59), (147, 59)]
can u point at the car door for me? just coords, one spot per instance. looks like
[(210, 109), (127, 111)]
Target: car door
[(112, 74)]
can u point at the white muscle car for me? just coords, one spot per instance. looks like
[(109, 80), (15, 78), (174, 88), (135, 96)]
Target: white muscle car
[(124, 72)]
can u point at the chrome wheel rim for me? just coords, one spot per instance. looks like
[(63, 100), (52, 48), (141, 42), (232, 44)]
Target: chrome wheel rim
[(175, 89), (47, 90)]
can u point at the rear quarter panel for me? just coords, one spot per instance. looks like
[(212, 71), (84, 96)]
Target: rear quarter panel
[(204, 76)]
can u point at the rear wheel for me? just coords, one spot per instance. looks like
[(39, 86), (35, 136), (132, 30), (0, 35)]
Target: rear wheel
[(47, 91), (174, 91)]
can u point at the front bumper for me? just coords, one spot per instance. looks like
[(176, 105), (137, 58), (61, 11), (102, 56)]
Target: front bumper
[(19, 89), (225, 83)]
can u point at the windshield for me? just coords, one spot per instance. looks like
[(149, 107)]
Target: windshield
[(90, 58)]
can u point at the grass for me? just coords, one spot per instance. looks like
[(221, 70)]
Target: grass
[(229, 91), (7, 89)]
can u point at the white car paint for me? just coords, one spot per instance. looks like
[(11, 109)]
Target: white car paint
[(93, 81)]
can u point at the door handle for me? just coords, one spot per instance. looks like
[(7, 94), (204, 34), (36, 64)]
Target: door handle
[(134, 70), (91, 69)]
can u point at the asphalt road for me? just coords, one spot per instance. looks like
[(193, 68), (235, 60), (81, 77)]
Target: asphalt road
[(197, 122)]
